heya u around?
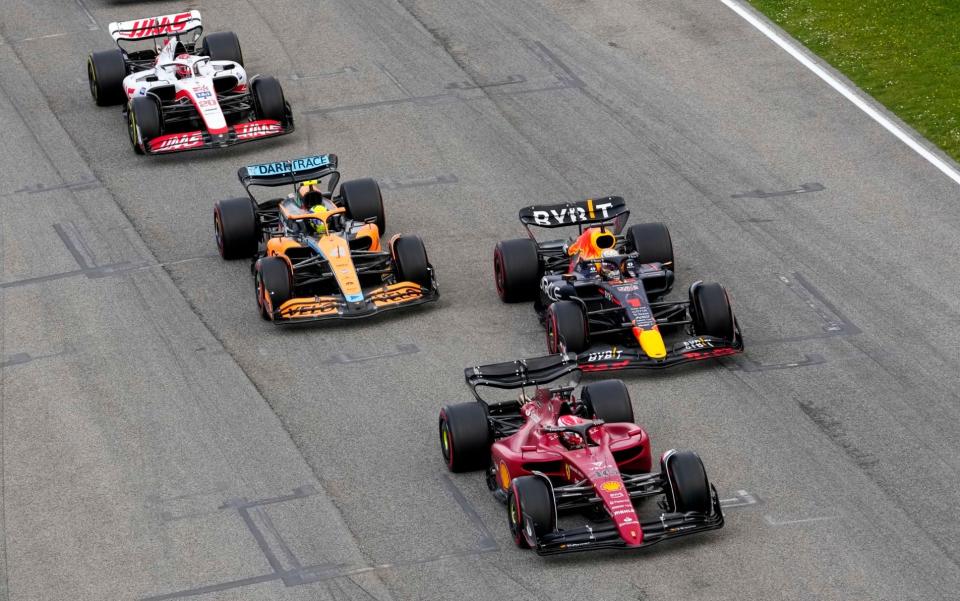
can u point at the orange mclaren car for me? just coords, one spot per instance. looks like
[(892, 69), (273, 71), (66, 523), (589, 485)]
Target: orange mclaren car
[(318, 253)]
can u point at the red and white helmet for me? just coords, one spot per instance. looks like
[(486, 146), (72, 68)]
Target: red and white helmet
[(571, 440), (183, 71)]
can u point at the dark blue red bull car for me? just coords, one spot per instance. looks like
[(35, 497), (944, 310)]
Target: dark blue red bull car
[(602, 294)]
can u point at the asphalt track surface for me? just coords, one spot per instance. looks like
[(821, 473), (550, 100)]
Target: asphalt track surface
[(161, 442)]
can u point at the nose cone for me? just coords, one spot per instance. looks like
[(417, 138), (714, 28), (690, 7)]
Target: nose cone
[(631, 534), (651, 342)]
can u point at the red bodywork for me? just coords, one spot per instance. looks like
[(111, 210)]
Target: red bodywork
[(614, 447)]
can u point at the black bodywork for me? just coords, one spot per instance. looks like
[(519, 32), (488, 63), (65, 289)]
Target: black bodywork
[(613, 306)]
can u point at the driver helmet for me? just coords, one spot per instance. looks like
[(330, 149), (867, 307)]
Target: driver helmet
[(309, 193), (571, 440), (184, 71), (608, 267), (318, 225)]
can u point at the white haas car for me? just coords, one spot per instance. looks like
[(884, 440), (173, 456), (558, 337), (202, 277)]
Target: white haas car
[(181, 94)]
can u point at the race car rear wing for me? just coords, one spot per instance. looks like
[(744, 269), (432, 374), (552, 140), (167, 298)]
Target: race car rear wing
[(591, 211), (522, 372), (156, 27), (290, 172)]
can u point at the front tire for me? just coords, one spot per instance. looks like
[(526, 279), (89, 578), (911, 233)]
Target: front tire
[(222, 46), (274, 284), (710, 310), (516, 270), (235, 226), (608, 400), (362, 200), (144, 122), (530, 499), (106, 70), (689, 486), (410, 262), (566, 327), (268, 99)]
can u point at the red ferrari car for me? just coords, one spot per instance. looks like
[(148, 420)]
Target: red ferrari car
[(551, 453)]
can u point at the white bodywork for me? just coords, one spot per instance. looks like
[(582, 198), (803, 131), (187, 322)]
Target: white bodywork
[(152, 27), (192, 80)]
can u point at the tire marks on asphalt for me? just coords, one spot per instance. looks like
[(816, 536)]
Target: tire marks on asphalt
[(287, 568)]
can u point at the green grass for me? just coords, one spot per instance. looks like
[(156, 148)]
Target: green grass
[(904, 53)]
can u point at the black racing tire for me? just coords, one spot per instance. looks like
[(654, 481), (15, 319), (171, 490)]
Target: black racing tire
[(362, 200), (652, 243), (516, 270), (608, 400), (144, 122), (222, 46), (235, 227), (410, 262), (566, 323), (106, 70), (268, 99), (531, 496), (274, 284), (710, 310), (465, 437), (688, 483)]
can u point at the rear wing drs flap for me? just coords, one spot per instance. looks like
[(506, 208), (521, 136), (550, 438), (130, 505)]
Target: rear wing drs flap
[(156, 27), (591, 211), (523, 372), (281, 173)]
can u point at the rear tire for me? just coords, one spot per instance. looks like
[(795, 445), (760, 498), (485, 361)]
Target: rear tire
[(410, 262), (608, 400), (362, 200), (222, 46), (235, 226), (711, 311), (516, 270), (144, 122), (532, 496), (689, 486), (268, 99), (465, 437), (274, 284), (566, 323), (652, 243), (106, 70)]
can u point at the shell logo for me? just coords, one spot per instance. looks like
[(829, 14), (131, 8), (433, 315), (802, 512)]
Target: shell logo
[(504, 476), (611, 486)]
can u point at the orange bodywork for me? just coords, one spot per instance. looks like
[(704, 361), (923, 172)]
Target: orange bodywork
[(336, 251), (321, 306), (367, 230), (278, 247), (370, 230)]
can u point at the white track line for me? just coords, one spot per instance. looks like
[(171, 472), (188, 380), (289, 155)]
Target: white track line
[(851, 95)]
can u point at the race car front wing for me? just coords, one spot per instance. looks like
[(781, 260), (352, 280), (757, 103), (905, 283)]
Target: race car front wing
[(606, 536), (236, 134), (336, 307), (604, 357)]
